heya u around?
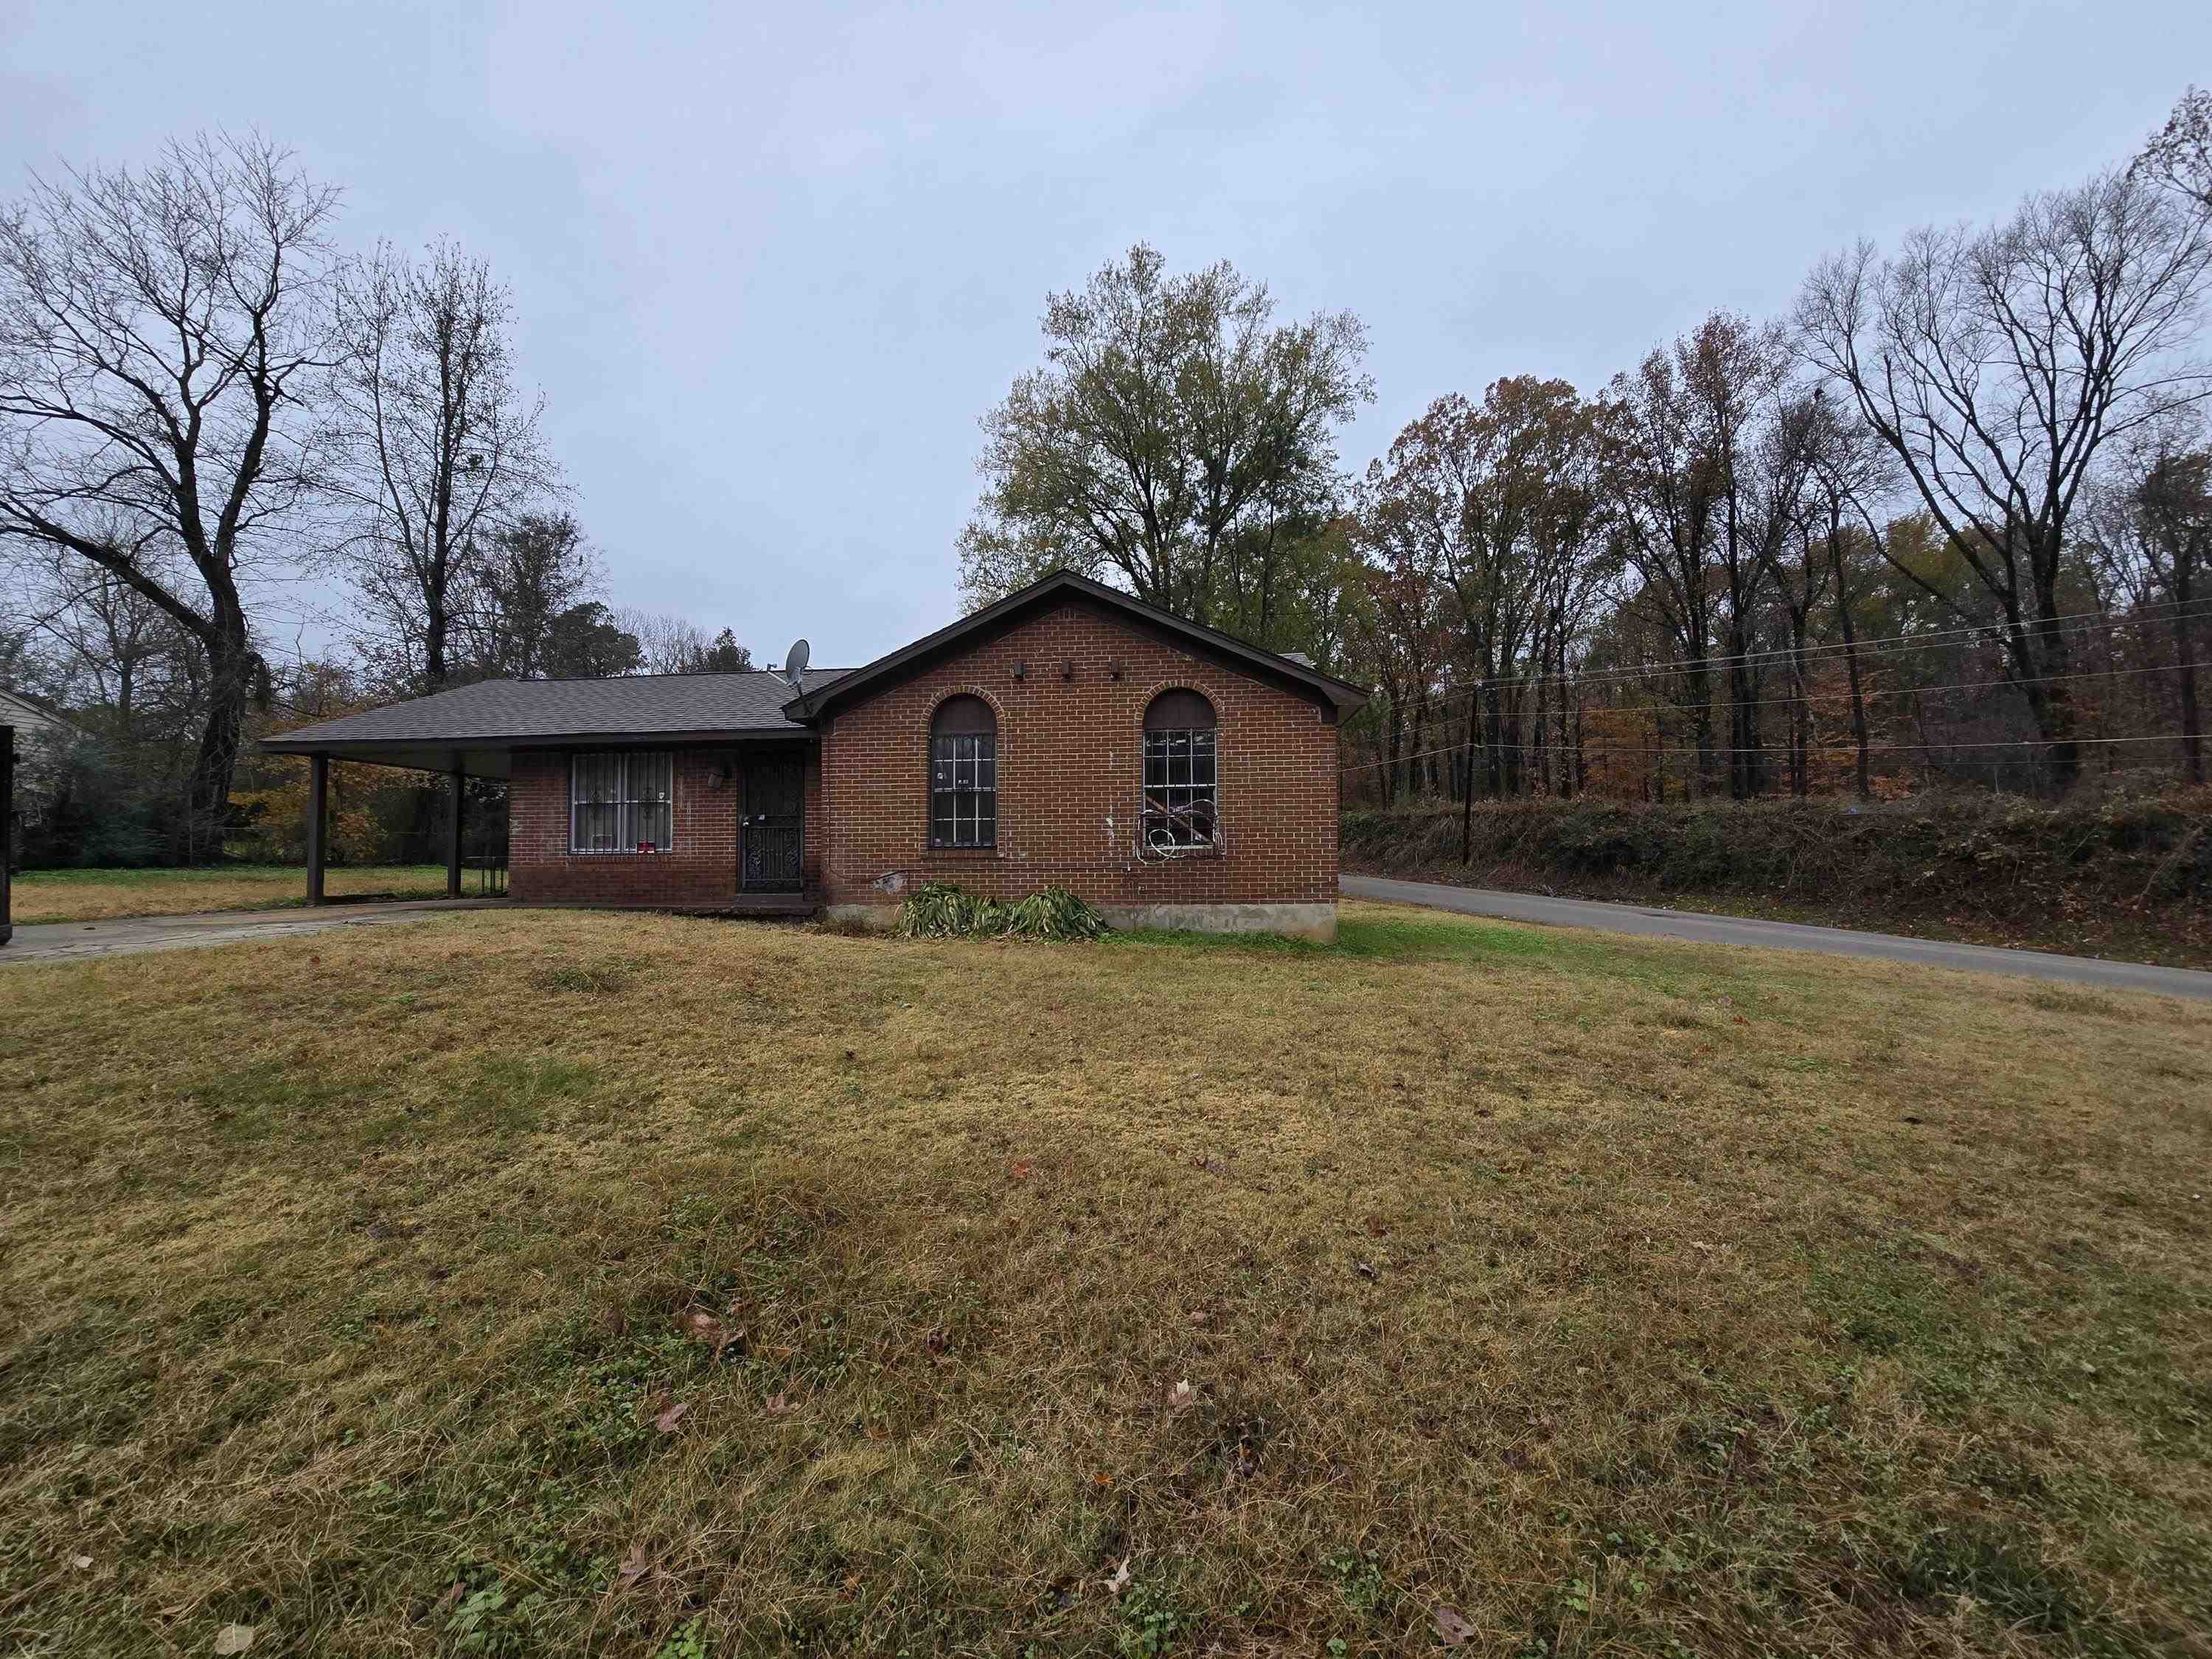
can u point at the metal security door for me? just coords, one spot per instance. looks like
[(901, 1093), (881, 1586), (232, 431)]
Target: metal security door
[(772, 828)]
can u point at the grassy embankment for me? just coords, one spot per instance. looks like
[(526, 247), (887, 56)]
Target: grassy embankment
[(2119, 875), (106, 894), (562, 1282)]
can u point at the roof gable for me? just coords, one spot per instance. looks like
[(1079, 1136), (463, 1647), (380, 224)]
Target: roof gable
[(1300, 677)]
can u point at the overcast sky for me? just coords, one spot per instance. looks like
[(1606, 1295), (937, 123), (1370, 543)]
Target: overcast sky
[(772, 262)]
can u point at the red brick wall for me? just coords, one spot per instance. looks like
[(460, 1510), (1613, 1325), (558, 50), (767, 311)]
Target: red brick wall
[(1070, 757), (701, 869)]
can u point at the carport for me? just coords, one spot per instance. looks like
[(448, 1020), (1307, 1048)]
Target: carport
[(456, 764)]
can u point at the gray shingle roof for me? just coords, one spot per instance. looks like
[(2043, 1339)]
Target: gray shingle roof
[(643, 705)]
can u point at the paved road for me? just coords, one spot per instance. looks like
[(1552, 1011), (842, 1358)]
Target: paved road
[(1782, 935), (69, 941)]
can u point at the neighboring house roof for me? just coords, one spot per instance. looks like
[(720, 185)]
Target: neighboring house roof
[(27, 713), (1295, 673), (470, 725)]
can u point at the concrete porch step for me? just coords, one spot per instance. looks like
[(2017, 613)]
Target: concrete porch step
[(738, 904), (764, 904)]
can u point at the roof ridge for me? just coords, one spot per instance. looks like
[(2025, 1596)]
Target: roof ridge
[(679, 674)]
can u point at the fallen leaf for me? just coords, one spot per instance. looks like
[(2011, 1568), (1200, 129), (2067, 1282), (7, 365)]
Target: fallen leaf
[(705, 1328), (1019, 1169), (452, 1597), (1102, 1480), (1182, 1397), (80, 1561), (1452, 1629), (937, 1341), (779, 1404), (667, 1420), (1198, 1316), (234, 1638), (1366, 1270), (1120, 1581)]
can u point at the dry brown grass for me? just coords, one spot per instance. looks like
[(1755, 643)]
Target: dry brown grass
[(107, 895), (1622, 1297)]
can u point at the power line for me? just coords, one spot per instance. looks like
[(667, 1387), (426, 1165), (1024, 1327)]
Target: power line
[(1764, 749), (1868, 696), (1877, 648)]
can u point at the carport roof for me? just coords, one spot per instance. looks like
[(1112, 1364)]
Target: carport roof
[(473, 726)]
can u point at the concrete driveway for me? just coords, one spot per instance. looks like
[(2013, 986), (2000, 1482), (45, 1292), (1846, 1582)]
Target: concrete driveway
[(75, 941), (1782, 935)]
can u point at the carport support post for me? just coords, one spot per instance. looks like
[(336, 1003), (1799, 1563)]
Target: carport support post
[(454, 839), (318, 789)]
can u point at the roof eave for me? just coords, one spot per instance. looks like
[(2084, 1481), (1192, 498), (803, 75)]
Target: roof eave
[(306, 743)]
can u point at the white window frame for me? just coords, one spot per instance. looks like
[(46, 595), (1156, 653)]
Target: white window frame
[(641, 779)]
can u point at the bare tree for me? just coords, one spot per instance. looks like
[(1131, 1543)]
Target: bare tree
[(125, 652), (1785, 502), (1999, 366), (2153, 525), (1734, 372), (160, 332), (2179, 154), (665, 645), (1852, 471), (441, 446), (1665, 490)]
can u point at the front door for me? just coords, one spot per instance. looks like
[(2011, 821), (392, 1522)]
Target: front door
[(772, 824)]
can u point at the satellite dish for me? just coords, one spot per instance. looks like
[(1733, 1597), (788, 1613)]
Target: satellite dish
[(794, 664)]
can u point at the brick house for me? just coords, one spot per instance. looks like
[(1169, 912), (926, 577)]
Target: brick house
[(1068, 736)]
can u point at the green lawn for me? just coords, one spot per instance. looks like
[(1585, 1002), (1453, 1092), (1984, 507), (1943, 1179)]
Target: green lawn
[(104, 895), (560, 1282)]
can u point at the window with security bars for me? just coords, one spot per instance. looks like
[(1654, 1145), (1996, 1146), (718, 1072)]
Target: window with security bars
[(621, 803), (964, 789), (1180, 788)]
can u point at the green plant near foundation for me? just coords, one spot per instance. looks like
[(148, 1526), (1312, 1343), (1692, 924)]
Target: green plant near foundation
[(942, 910)]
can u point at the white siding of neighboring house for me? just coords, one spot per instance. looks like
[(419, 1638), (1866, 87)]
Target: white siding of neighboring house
[(40, 739), (28, 719)]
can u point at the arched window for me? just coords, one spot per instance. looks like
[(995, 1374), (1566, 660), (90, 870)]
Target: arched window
[(963, 774), (1182, 770)]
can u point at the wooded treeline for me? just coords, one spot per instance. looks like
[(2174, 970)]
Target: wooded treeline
[(1949, 519), (206, 405)]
